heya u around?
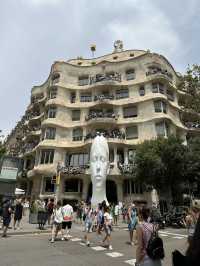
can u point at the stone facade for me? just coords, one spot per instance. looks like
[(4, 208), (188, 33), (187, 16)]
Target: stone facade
[(129, 96)]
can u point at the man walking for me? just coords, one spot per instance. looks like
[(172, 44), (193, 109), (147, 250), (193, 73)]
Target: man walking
[(67, 212), (7, 211)]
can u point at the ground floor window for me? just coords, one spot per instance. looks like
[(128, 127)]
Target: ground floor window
[(48, 187), (131, 187), (73, 185)]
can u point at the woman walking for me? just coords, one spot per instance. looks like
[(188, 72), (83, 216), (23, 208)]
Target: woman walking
[(89, 216), (132, 222), (107, 227), (144, 233), (57, 221)]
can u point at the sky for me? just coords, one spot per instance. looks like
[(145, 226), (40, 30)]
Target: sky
[(35, 33)]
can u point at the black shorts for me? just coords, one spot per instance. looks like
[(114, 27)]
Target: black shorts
[(67, 224)]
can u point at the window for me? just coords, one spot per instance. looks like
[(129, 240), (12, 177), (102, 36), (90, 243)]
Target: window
[(46, 156), (161, 129), (130, 74), (73, 97), (77, 134), (75, 115), (158, 87), (170, 95), (130, 111), (123, 93), (84, 80), (52, 112), (77, 159), (160, 106), (49, 187), (50, 133), (132, 132), (86, 97), (52, 93), (142, 91), (73, 185)]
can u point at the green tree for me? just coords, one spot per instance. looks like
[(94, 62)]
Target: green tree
[(161, 162)]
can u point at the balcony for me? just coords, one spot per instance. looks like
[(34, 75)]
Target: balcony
[(101, 115), (28, 147), (113, 134), (126, 169), (112, 77), (103, 97), (73, 170), (160, 72), (37, 98), (193, 125)]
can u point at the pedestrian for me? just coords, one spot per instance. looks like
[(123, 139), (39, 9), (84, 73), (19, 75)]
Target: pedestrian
[(42, 216), (116, 214), (67, 212), (144, 233), (132, 223), (57, 221), (192, 257), (124, 213), (88, 223), (50, 208), (100, 220), (18, 211), (6, 214), (107, 227), (191, 220)]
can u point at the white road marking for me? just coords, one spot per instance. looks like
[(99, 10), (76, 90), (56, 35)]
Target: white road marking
[(172, 234), (131, 262), (98, 248), (177, 237), (125, 229), (75, 239), (162, 235), (114, 254), (82, 244)]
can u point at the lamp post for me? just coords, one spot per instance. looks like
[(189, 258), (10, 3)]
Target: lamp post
[(57, 183)]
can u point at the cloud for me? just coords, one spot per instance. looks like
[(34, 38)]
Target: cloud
[(42, 2), (35, 33)]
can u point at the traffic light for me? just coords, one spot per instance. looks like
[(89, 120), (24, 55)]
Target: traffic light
[(53, 179)]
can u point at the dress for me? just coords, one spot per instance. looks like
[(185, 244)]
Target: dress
[(132, 220)]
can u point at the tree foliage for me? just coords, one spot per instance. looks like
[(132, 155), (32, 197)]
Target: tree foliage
[(161, 161), (190, 84)]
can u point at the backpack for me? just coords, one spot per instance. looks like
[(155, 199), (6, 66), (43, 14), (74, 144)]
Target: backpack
[(155, 249)]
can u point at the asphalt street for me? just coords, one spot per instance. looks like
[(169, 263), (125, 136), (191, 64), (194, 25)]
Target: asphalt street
[(35, 249)]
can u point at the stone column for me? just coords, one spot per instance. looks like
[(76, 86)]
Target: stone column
[(86, 183), (41, 185), (115, 156), (125, 155), (119, 184)]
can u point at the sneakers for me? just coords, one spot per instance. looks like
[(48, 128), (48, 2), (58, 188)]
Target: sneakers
[(88, 243), (52, 240), (62, 239), (110, 247)]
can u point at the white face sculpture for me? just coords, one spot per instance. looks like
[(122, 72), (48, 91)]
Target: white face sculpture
[(99, 163)]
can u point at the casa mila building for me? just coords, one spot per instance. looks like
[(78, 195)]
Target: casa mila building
[(128, 96)]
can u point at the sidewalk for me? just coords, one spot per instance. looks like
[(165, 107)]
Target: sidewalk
[(27, 228)]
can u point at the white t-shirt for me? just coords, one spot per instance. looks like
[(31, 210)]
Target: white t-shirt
[(117, 210), (58, 215), (67, 212), (107, 218)]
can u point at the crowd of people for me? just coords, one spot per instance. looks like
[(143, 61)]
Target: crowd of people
[(141, 223), (115, 133), (101, 114)]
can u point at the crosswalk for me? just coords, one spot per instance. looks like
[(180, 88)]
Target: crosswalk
[(116, 254)]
